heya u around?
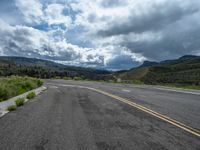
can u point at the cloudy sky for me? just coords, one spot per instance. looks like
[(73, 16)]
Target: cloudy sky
[(111, 34)]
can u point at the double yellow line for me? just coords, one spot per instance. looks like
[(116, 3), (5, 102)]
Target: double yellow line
[(151, 112), (145, 109)]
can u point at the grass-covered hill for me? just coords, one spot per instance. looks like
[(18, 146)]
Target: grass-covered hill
[(45, 69), (182, 71)]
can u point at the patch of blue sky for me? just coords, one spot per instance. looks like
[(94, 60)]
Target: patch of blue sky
[(42, 26), (69, 12), (74, 38)]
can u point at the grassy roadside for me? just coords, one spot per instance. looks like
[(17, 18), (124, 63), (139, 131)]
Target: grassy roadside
[(14, 85), (20, 101)]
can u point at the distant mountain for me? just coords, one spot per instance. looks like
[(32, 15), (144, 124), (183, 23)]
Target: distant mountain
[(188, 57), (148, 64), (45, 69), (32, 62), (185, 70), (183, 58)]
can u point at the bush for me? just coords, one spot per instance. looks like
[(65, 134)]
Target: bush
[(20, 102), (12, 107), (3, 94), (67, 78), (137, 82), (13, 86), (78, 78), (57, 77), (31, 95), (40, 83)]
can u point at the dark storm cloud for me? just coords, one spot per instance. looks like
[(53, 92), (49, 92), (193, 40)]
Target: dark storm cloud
[(156, 18), (122, 62), (112, 34), (175, 41), (171, 30)]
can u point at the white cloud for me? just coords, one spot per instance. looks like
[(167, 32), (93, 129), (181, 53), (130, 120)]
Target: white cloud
[(120, 33), (91, 16), (156, 30), (31, 10), (54, 15), (27, 41), (35, 12)]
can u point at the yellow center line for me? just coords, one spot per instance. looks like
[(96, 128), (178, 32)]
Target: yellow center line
[(151, 112), (145, 109)]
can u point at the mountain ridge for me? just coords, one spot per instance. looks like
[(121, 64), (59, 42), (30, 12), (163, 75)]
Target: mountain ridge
[(12, 65), (184, 70), (148, 63)]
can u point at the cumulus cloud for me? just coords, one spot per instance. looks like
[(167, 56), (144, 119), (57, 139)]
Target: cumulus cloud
[(157, 29), (110, 34), (151, 16), (31, 10), (29, 42), (55, 15)]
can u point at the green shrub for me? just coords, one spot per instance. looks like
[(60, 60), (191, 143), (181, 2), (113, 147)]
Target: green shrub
[(31, 95), (3, 94), (111, 81), (137, 82), (13, 86), (40, 83), (19, 102), (67, 78), (12, 107), (78, 78)]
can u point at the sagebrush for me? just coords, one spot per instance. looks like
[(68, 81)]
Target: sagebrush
[(14, 85)]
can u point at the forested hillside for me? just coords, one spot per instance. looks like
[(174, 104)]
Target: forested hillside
[(184, 71), (45, 69)]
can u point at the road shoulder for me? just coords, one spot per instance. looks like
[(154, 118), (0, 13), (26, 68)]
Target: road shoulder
[(4, 105)]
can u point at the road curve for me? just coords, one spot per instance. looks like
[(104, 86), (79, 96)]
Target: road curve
[(177, 104), (80, 119)]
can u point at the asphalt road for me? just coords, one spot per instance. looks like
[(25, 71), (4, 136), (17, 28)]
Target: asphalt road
[(71, 118)]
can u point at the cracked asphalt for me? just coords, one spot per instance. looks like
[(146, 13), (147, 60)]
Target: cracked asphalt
[(70, 118)]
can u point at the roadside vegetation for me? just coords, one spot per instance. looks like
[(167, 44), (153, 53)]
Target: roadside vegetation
[(12, 107), (72, 78), (67, 78), (78, 78), (14, 85), (19, 102), (31, 95)]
